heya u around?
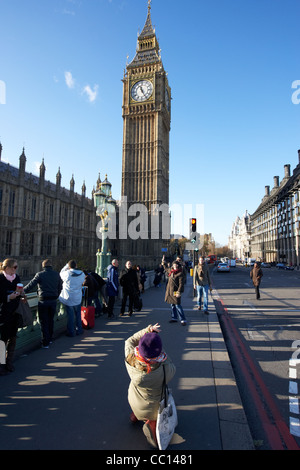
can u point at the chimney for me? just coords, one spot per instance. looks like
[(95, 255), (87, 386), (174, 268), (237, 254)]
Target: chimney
[(267, 190), (299, 155), (276, 181), (287, 171)]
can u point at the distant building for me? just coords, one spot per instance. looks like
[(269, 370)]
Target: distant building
[(240, 237), (275, 223), (40, 219)]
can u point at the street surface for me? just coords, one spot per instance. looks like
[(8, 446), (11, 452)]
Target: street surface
[(263, 339)]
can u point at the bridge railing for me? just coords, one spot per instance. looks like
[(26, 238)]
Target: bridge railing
[(30, 336)]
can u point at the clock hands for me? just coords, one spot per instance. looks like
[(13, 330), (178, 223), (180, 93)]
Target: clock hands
[(141, 88)]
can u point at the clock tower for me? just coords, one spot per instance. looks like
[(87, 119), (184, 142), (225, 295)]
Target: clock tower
[(146, 129)]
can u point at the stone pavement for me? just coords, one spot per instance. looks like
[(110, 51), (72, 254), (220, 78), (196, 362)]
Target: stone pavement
[(73, 396)]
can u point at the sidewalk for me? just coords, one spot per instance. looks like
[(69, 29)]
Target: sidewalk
[(74, 394)]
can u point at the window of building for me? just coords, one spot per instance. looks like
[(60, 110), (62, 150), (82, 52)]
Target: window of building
[(11, 204), (8, 243), (33, 208)]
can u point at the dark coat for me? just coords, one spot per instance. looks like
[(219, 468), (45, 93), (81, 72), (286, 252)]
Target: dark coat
[(49, 284), (175, 284), (129, 281), (9, 321), (256, 274), (112, 281)]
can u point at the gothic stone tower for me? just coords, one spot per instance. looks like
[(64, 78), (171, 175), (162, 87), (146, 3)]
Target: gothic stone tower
[(146, 129)]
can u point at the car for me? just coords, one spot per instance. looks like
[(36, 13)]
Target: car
[(223, 267), (280, 265), (265, 265), (289, 268)]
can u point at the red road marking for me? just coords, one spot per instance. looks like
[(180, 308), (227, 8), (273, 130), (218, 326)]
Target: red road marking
[(278, 433)]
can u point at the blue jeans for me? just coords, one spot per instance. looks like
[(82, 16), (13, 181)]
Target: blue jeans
[(177, 310), (202, 290), (74, 320)]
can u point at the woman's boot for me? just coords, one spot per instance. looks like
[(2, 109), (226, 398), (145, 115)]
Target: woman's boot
[(149, 430)]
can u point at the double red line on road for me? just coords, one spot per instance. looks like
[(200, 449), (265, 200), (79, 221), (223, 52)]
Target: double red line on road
[(272, 422)]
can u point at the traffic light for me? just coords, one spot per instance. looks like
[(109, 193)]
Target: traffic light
[(193, 225), (193, 229)]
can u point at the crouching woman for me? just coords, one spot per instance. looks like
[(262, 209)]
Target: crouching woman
[(146, 364)]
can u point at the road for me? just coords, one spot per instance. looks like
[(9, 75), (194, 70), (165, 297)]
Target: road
[(263, 339)]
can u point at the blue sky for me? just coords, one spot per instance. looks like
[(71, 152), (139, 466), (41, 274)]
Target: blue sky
[(231, 66)]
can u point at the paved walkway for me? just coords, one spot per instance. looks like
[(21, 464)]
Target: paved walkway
[(73, 395)]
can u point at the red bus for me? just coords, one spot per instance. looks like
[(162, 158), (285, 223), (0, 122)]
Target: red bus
[(212, 258)]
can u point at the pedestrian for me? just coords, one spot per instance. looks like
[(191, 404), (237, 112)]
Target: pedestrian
[(202, 282), (129, 282), (49, 285), (182, 264), (71, 296), (92, 292), (142, 277), (256, 274), (158, 275), (174, 289), (147, 364), (112, 287), (102, 290), (9, 321)]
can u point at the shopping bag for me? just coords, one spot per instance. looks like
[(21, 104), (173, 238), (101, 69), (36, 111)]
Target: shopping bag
[(25, 313), (2, 352), (166, 419)]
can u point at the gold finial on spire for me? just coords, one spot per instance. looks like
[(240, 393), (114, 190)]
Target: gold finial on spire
[(149, 4)]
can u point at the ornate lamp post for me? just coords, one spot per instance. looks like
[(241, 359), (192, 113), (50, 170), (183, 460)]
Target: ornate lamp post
[(105, 208)]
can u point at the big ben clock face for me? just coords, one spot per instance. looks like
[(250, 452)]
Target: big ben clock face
[(142, 90)]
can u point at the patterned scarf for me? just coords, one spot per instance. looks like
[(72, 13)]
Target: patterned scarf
[(148, 361)]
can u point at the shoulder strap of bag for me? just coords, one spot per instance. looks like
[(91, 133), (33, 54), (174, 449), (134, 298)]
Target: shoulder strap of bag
[(164, 394)]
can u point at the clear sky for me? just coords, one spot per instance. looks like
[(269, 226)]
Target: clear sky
[(231, 65)]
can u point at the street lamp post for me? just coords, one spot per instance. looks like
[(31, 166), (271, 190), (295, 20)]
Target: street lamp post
[(105, 209)]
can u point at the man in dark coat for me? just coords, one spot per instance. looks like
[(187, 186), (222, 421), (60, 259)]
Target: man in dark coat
[(112, 286), (130, 284), (256, 274), (49, 285)]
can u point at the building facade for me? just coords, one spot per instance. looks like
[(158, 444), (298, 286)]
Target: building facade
[(145, 156), (40, 219), (275, 223), (240, 237)]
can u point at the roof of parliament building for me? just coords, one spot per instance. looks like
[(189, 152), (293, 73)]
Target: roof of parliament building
[(13, 175)]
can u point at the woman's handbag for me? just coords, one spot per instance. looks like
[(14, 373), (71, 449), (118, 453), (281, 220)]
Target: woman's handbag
[(166, 418), (24, 311)]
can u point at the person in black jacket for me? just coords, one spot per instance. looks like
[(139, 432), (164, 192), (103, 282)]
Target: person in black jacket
[(49, 287), (9, 320), (130, 284)]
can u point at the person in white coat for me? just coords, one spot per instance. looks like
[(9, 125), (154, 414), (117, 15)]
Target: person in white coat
[(71, 296)]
